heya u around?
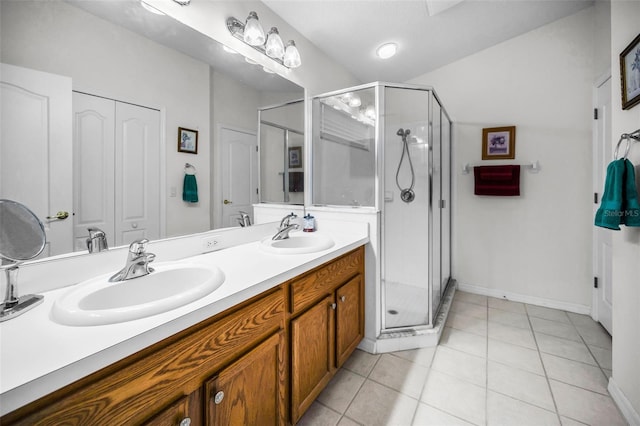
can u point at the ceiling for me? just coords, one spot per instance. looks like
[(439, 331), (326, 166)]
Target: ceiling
[(429, 33)]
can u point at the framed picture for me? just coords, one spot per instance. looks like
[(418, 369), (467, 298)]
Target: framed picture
[(630, 74), (295, 157), (187, 140), (499, 143)]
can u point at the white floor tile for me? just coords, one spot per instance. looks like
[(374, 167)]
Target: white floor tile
[(576, 351), (507, 305), (319, 415), (466, 323), (566, 421), (505, 411), (575, 373), (595, 335), (469, 309), (585, 406), (513, 335), (555, 328), (519, 384), (376, 404), (579, 319), (548, 313), (341, 390), (346, 421), (462, 365), (478, 299), (399, 374), (421, 356), (603, 356), (427, 415), (456, 397), (509, 318), (361, 362), (463, 341), (515, 356)]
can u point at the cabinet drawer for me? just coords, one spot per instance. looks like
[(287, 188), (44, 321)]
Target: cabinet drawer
[(317, 283), (136, 388)]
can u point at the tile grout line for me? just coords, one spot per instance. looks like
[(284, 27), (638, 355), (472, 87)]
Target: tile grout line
[(544, 368), (342, 415)]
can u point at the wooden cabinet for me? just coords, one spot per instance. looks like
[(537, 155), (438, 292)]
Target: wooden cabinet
[(236, 368), (326, 326), (251, 391)]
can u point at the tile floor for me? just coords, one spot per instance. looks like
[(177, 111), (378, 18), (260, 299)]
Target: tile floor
[(498, 363)]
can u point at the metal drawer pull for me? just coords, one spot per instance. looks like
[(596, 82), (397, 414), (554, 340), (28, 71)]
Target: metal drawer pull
[(218, 397), (343, 298), (185, 422), (333, 306)]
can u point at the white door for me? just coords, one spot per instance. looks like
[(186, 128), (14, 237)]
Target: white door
[(603, 249), (137, 173), (93, 149), (239, 174), (36, 149), (117, 170)]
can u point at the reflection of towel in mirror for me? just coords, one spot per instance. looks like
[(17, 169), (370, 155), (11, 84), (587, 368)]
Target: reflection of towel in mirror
[(190, 189)]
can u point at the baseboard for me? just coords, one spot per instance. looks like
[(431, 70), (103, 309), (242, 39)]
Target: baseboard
[(531, 300), (627, 410)]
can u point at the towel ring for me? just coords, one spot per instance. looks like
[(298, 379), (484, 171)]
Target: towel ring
[(626, 137), (188, 166)]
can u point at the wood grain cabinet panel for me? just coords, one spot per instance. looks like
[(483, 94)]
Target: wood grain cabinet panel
[(349, 318)]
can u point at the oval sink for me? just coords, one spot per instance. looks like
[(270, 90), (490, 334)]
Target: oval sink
[(298, 243), (172, 284)]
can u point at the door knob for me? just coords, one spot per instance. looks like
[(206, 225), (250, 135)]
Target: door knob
[(219, 396), (227, 202), (60, 216)]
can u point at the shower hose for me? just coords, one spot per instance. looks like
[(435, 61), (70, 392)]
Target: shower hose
[(406, 194)]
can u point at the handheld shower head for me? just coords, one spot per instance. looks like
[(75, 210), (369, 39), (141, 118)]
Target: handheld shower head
[(400, 132), (403, 133)]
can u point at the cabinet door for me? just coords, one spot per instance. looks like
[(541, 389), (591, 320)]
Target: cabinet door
[(311, 355), (184, 412), (349, 318), (251, 391)]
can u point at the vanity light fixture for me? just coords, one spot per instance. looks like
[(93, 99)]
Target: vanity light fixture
[(251, 33), (387, 50)]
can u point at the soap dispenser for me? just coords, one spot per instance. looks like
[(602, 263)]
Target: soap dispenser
[(309, 223)]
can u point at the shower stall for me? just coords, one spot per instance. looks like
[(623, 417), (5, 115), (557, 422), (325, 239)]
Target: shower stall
[(387, 148)]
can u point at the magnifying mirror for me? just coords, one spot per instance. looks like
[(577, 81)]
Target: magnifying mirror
[(22, 237)]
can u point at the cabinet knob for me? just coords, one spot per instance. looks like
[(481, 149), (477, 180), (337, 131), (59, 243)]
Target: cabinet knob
[(185, 422), (333, 306), (343, 298), (218, 397)]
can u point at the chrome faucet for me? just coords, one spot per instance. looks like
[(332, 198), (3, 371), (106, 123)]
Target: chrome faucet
[(244, 220), (286, 226), (97, 241), (137, 262)]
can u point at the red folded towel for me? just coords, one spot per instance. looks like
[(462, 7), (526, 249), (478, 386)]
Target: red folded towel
[(497, 180)]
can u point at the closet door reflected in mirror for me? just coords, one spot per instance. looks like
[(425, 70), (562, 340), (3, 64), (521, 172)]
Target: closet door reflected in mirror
[(116, 170)]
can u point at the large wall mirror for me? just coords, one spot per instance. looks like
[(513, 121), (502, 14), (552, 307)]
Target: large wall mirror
[(118, 71)]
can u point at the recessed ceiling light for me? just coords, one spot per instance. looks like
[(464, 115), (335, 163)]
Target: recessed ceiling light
[(387, 50)]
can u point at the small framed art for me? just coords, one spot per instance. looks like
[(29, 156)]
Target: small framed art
[(499, 143), (295, 157), (187, 140), (630, 74)]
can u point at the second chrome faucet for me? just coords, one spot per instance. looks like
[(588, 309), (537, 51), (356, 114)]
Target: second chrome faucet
[(286, 225), (137, 262)]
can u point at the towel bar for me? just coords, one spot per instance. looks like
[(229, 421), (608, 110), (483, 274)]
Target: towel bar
[(629, 137), (534, 166)]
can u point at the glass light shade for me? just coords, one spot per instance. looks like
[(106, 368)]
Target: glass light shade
[(253, 32), (355, 101), (274, 47), (291, 55)]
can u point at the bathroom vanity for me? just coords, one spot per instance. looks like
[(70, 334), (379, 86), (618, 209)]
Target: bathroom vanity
[(262, 360)]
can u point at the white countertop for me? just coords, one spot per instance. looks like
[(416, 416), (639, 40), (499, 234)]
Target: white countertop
[(39, 356)]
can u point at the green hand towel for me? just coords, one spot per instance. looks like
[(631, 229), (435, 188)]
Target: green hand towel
[(190, 189), (609, 214), (630, 205)]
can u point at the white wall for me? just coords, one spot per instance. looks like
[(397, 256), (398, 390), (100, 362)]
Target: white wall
[(625, 384), (107, 60), (536, 247)]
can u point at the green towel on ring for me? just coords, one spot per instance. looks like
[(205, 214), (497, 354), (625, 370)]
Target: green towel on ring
[(190, 189), (619, 205), (630, 205)]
